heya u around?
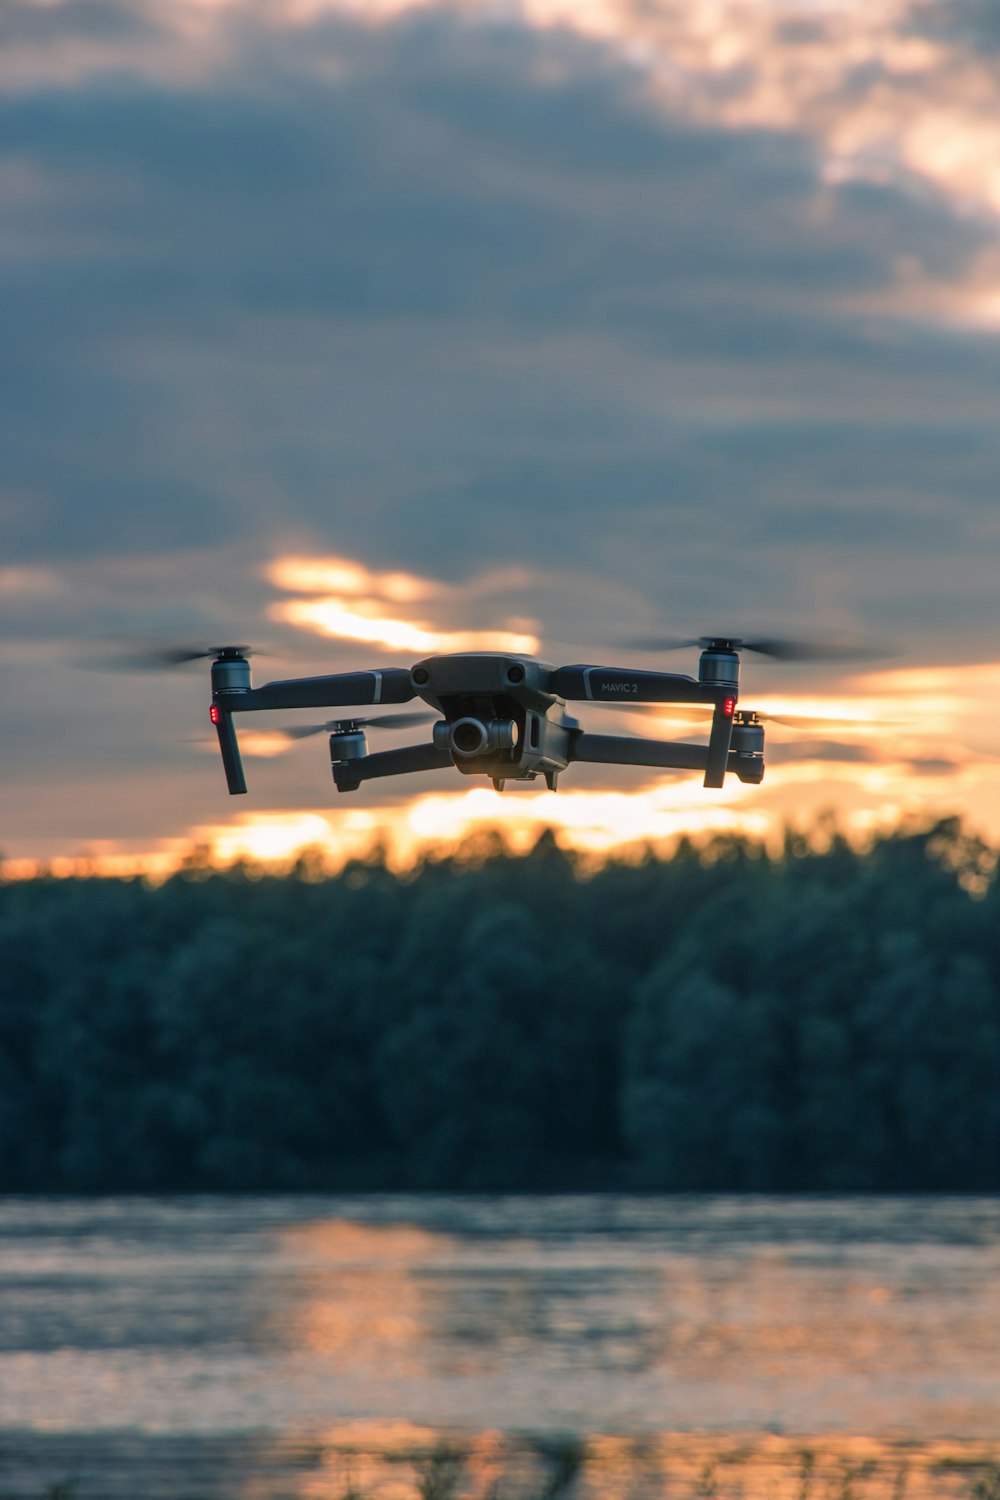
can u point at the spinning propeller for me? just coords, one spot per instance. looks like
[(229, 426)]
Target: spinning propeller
[(776, 647), (788, 721), (340, 726), (153, 656)]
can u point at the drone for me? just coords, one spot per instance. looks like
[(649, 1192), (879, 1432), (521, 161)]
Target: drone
[(504, 716)]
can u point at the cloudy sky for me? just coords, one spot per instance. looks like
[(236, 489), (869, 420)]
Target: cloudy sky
[(364, 328)]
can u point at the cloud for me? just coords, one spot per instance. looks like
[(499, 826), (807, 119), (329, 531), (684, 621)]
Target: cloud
[(898, 90), (682, 313), (376, 609), (415, 285)]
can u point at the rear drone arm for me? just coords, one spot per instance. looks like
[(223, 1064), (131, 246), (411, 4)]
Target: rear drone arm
[(621, 750), (349, 774), (604, 749), (233, 694)]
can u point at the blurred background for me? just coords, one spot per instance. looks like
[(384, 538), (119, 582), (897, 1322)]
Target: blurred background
[(359, 331), (425, 1144)]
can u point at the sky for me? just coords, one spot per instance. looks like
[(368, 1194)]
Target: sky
[(360, 329)]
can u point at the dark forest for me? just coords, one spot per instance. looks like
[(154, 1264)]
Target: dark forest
[(724, 1019)]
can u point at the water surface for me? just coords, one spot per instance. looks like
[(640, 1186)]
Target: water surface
[(246, 1337)]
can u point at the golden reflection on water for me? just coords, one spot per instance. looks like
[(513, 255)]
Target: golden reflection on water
[(546, 1333), (359, 1295), (398, 1461), (540, 1365), (556, 1348)]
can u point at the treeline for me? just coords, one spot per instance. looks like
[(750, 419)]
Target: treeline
[(722, 1020)]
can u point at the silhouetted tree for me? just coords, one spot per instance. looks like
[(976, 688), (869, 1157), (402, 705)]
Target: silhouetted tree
[(723, 1019)]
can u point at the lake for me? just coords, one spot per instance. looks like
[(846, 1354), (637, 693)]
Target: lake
[(398, 1346)]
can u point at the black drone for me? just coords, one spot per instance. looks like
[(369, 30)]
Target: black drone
[(504, 715)]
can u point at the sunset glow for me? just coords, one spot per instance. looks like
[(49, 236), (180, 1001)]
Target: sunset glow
[(340, 575), (332, 618), (400, 397), (354, 604), (764, 310), (259, 744), (915, 741)]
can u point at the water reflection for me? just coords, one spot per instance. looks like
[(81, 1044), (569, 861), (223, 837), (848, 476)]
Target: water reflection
[(676, 1315), (352, 1292), (617, 1468), (375, 1462), (302, 1346)]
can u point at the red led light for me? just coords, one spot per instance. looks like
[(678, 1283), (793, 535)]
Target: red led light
[(214, 713), (729, 707)]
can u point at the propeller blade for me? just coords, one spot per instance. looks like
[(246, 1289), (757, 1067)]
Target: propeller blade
[(398, 721), (798, 650), (776, 647), (376, 721), (153, 656), (686, 718), (821, 721), (303, 731)]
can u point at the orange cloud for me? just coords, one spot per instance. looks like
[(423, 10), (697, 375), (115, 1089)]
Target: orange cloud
[(352, 603), (340, 575)]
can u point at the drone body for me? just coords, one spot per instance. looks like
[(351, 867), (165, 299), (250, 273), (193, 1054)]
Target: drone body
[(503, 716)]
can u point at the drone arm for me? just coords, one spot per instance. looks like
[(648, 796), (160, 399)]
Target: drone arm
[(349, 774), (621, 750), (339, 690), (622, 685), (719, 741), (232, 694), (231, 762)]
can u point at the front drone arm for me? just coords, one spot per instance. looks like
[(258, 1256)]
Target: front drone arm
[(622, 685), (581, 684), (232, 693), (338, 690)]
